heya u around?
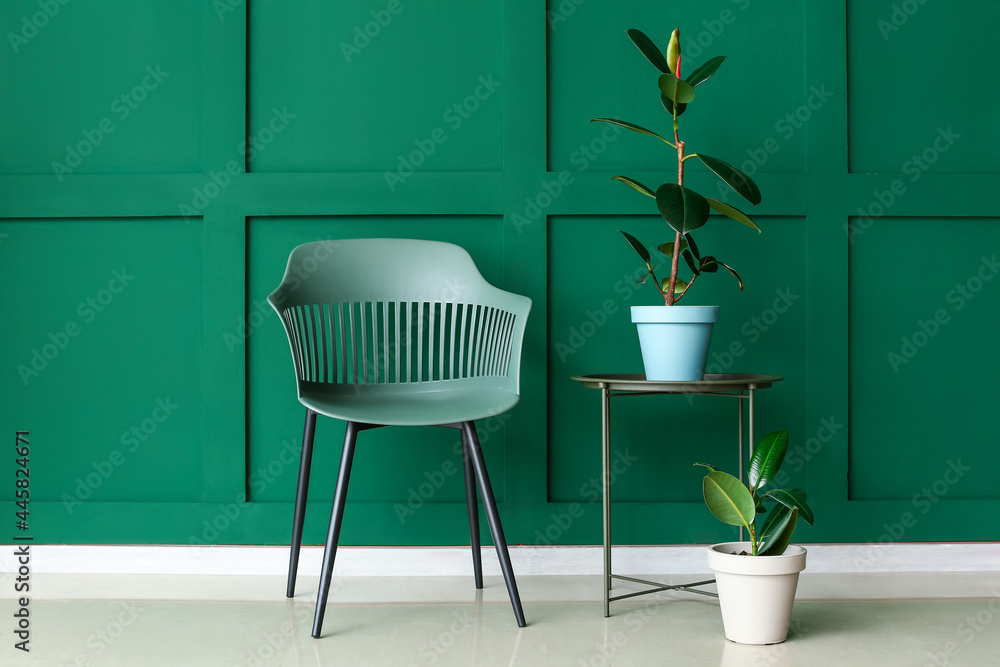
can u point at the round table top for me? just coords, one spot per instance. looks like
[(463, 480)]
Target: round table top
[(713, 382)]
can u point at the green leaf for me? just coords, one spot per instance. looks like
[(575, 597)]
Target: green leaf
[(668, 104), (668, 248), (690, 262), (773, 524), (709, 264), (776, 545), (635, 185), (678, 90), (629, 126), (733, 177), (767, 458), (793, 498), (732, 212), (694, 247), (679, 285), (733, 271), (728, 499), (705, 72), (648, 49), (704, 465), (642, 280), (638, 247), (683, 209)]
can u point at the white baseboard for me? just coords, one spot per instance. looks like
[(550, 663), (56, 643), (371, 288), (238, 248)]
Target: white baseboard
[(454, 561), (417, 575)]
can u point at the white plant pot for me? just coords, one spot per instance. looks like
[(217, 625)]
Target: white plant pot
[(756, 592), (674, 340)]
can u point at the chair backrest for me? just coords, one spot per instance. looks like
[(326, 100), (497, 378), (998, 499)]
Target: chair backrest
[(380, 313)]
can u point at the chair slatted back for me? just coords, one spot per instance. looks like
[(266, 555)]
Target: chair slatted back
[(383, 342), (397, 312)]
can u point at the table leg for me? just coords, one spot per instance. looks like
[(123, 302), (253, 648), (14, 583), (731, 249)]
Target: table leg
[(606, 484), (739, 424)]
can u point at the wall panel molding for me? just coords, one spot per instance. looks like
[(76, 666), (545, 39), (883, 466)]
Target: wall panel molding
[(269, 131)]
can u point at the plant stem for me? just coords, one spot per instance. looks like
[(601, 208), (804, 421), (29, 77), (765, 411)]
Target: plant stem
[(669, 297), (690, 282)]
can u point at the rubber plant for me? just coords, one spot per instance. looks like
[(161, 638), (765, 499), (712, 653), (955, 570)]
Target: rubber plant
[(737, 504), (681, 207)]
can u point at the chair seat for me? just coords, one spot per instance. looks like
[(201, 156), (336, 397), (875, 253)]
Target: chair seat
[(427, 407)]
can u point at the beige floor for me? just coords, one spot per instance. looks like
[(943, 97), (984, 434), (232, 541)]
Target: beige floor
[(229, 621)]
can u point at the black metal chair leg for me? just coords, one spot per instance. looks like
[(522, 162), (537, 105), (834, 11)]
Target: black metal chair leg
[(301, 493), (336, 519), (473, 505), (496, 529)]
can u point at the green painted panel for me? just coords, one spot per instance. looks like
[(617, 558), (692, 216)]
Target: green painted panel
[(657, 438), (101, 87), (923, 414), (394, 86), (398, 465), (104, 365), (595, 71), (896, 122), (325, 123)]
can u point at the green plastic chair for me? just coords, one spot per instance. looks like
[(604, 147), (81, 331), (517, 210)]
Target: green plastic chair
[(399, 332)]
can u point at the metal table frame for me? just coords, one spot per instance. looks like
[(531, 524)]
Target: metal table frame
[(740, 386)]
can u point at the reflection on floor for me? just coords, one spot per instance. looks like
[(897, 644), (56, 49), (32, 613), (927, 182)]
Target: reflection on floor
[(86, 621)]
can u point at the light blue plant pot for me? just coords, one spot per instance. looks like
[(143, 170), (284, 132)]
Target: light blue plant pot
[(674, 340)]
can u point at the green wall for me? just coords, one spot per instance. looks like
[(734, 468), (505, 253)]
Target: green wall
[(158, 161)]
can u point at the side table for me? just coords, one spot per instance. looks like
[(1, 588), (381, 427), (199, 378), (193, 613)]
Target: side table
[(740, 386)]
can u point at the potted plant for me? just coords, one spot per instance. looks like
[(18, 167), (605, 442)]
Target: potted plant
[(675, 339), (757, 579)]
